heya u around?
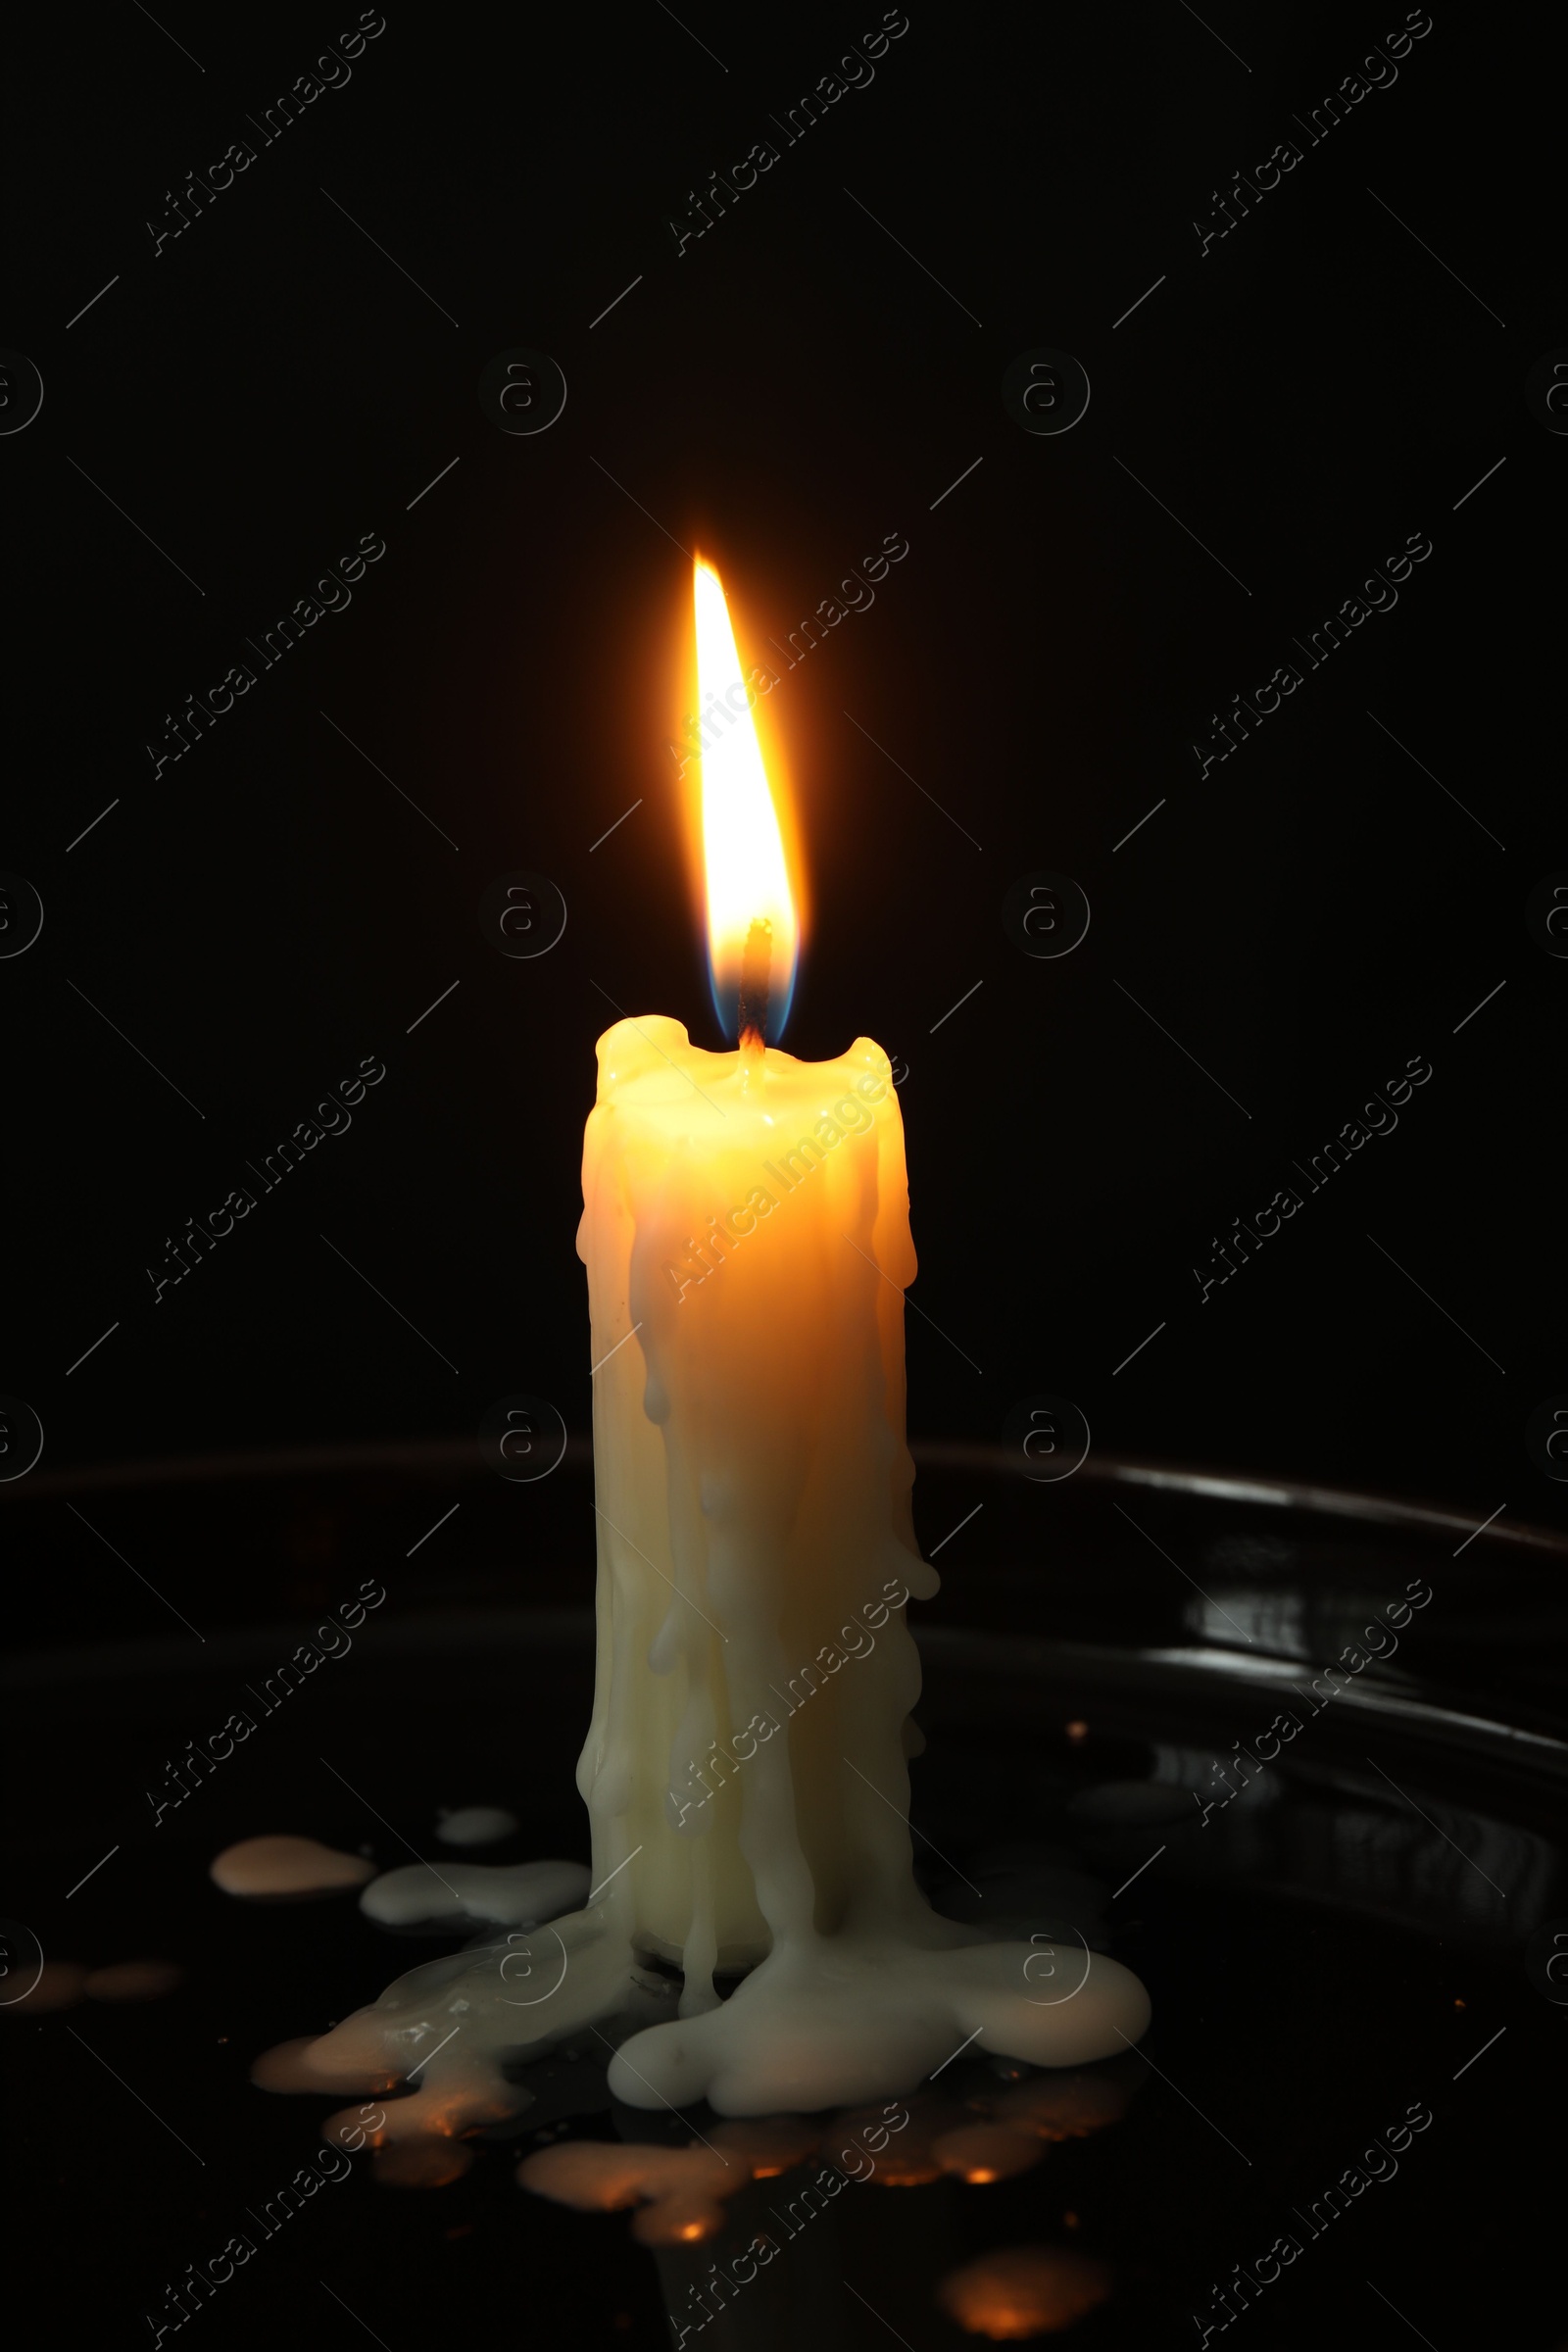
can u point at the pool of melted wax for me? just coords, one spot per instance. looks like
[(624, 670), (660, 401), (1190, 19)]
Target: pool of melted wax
[(992, 2127), (422, 1896), (824, 2021), (875, 2008), (286, 1867)]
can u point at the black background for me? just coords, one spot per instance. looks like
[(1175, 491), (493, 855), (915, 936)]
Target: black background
[(792, 386)]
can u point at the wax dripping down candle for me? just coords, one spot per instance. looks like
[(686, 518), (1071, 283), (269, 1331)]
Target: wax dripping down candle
[(753, 1498)]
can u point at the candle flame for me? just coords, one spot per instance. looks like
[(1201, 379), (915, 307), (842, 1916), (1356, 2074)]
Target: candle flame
[(746, 872)]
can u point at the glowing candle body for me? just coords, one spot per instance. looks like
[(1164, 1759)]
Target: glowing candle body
[(747, 1236)]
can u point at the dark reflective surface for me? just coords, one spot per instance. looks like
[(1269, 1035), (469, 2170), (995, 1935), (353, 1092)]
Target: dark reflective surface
[(1338, 1938)]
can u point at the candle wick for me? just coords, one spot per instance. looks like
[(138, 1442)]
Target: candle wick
[(756, 971)]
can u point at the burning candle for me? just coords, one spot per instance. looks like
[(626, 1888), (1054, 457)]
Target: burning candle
[(746, 1232), (746, 1236)]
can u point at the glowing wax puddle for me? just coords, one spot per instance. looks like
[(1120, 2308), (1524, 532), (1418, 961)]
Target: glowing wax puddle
[(679, 2192), (1019, 2292), (439, 2060), (287, 1867), (821, 2022), (63, 1984)]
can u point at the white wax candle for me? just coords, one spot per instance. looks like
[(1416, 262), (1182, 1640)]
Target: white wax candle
[(747, 1236)]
